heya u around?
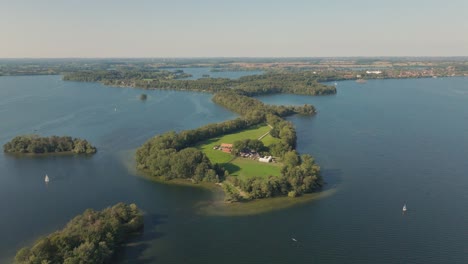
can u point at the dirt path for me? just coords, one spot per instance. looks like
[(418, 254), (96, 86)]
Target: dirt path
[(264, 135)]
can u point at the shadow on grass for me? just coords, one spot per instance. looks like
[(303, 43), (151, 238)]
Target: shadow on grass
[(134, 250), (231, 168), (208, 141)]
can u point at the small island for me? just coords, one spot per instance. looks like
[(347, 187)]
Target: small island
[(35, 144), (92, 237)]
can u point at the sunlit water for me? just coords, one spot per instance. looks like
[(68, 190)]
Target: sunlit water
[(380, 145)]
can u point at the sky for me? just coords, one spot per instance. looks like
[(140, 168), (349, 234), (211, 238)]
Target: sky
[(234, 28)]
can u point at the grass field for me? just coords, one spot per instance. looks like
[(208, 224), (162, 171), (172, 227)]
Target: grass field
[(217, 156), (245, 168), (241, 167), (268, 140)]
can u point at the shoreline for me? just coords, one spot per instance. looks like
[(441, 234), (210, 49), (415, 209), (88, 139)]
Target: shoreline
[(216, 206)]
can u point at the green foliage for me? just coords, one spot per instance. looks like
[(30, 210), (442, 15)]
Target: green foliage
[(91, 237), (54, 144), (247, 145), (231, 193), (253, 109), (286, 82), (169, 156), (123, 76)]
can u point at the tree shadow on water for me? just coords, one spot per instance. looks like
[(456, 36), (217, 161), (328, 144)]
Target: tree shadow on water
[(332, 177), (133, 251)]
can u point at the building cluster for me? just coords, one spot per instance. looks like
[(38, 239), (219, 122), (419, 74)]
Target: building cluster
[(245, 153), (224, 147), (249, 154)]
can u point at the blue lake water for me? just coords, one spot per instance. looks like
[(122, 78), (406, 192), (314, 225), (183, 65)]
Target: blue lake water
[(198, 73), (380, 144)]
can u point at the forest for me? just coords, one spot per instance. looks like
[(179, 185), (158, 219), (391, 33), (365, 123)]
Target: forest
[(271, 83), (92, 237), (38, 145)]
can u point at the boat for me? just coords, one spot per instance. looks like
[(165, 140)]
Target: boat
[(361, 81), (293, 239), (404, 208), (336, 84), (46, 179)]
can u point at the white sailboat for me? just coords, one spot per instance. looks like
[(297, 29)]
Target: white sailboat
[(46, 179), (404, 208)]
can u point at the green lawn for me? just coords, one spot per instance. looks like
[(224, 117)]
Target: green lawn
[(245, 168), (241, 167), (217, 156), (268, 140)]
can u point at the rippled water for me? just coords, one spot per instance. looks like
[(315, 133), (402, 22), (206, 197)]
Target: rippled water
[(380, 145)]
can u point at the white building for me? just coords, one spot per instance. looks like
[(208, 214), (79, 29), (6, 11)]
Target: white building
[(373, 72), (266, 159)]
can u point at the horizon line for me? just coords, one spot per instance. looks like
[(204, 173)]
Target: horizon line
[(240, 57)]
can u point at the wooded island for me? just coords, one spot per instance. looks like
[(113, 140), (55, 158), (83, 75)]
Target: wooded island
[(35, 144), (92, 237)]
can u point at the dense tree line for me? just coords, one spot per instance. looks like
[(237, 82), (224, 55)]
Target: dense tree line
[(247, 145), (169, 156), (286, 133), (54, 144), (118, 76), (294, 83), (254, 109), (299, 175), (91, 237), (290, 82)]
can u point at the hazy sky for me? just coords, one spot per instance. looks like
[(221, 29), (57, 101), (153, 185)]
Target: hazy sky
[(218, 28)]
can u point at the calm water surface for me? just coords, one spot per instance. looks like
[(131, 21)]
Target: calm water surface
[(381, 144), (199, 72)]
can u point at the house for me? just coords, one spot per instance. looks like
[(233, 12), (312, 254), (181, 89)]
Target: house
[(266, 159), (226, 147)]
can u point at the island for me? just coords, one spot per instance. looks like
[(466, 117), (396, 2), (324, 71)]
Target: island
[(35, 144), (92, 237)]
